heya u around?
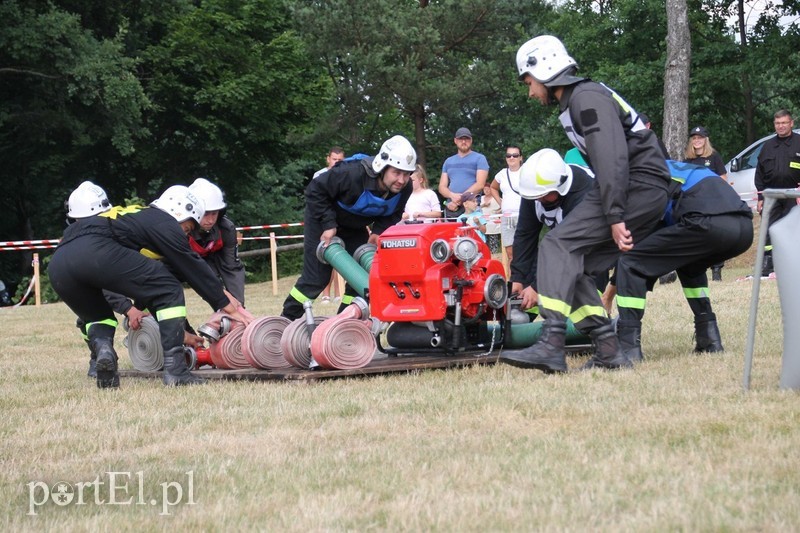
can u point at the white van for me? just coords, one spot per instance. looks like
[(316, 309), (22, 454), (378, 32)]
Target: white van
[(742, 171)]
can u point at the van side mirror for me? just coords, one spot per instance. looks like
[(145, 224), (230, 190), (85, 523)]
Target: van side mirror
[(735, 165)]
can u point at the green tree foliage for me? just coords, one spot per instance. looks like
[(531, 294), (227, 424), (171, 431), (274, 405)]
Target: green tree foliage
[(231, 83), (418, 68), (63, 94)]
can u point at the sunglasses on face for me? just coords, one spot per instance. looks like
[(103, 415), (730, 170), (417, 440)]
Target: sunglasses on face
[(512, 155)]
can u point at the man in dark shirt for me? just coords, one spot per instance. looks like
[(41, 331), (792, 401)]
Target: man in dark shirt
[(778, 168)]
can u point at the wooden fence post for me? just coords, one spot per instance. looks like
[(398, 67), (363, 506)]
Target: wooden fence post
[(273, 255), (36, 285)]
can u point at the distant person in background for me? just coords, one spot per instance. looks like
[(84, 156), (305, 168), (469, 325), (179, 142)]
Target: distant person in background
[(466, 171), (505, 189), (778, 168), (700, 152), (423, 202), (215, 238), (493, 213), (335, 155), (472, 214)]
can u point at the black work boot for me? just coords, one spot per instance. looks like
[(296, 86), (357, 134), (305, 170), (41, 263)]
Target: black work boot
[(706, 333), (175, 370), (92, 373), (630, 341), (106, 363), (607, 351), (546, 355), (767, 268)]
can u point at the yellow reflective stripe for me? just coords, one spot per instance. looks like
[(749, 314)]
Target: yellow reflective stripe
[(624, 105), (794, 164), (587, 311), (299, 296), (698, 292), (768, 248), (151, 254), (107, 322), (347, 299), (171, 312), (551, 304), (630, 302), (533, 310), (118, 211)]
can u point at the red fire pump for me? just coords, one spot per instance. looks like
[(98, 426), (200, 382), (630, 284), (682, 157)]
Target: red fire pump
[(438, 286)]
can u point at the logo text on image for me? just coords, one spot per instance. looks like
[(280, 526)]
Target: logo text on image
[(118, 488)]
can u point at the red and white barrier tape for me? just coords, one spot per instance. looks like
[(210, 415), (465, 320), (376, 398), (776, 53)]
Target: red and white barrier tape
[(24, 297), (266, 237), (268, 226)]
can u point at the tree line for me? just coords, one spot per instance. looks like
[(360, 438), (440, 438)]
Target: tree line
[(140, 95)]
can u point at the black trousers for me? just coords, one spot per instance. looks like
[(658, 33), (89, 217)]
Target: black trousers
[(316, 275), (82, 268), (581, 246), (690, 247)]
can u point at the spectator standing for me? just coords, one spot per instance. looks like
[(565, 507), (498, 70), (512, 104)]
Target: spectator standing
[(335, 154), (778, 168), (493, 214), (505, 189), (700, 152), (215, 238), (466, 171), (423, 202), (342, 203), (628, 200)]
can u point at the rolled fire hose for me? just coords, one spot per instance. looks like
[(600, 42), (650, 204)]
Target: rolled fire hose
[(261, 343), (346, 341), (144, 346), (296, 344), (364, 255), (227, 353), (335, 255)]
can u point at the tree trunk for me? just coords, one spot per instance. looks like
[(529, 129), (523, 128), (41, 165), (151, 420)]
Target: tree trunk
[(676, 78), (747, 89), (419, 136)]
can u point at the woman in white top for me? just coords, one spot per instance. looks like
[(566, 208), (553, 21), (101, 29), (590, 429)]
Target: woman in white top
[(423, 202)]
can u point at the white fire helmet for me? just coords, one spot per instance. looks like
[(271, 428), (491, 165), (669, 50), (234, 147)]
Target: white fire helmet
[(397, 152), (87, 200), (545, 58), (212, 196), (544, 172), (181, 203)]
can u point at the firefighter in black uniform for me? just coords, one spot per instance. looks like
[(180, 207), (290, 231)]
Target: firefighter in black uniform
[(778, 168), (629, 200), (342, 202), (215, 240), (705, 224), (118, 249), (550, 190)]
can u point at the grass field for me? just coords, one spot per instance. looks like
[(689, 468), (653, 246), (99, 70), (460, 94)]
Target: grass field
[(672, 445)]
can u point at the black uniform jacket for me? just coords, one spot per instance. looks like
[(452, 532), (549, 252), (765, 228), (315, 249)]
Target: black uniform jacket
[(345, 183), (614, 141), (155, 234)]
